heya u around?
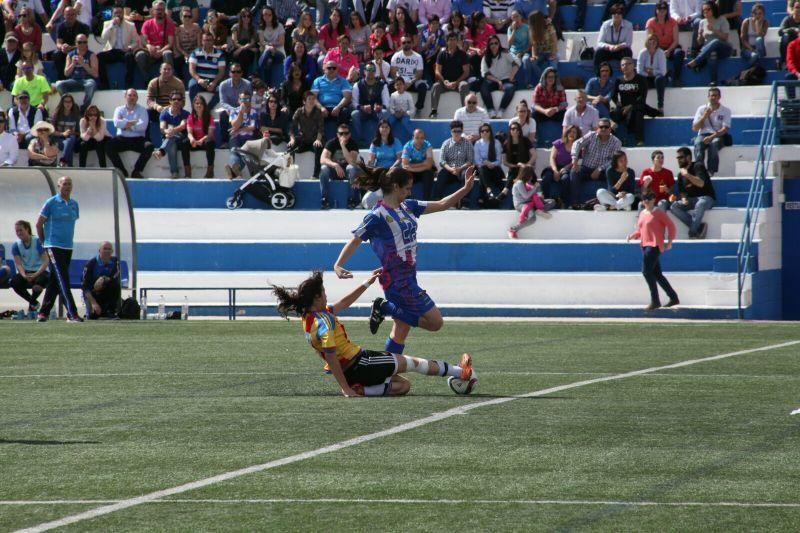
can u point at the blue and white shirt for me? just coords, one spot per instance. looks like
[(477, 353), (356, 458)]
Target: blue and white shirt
[(30, 255), (59, 228), (414, 154), (392, 233), (207, 63)]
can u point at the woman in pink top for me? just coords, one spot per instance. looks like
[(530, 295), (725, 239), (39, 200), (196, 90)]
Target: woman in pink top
[(93, 136), (650, 230), (200, 129)]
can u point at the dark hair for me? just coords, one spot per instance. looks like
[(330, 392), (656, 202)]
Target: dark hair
[(340, 28), (475, 19), (59, 112), (655, 153), (25, 224), (456, 124), (488, 56), (714, 90), (304, 56), (605, 64), (299, 301), (274, 17), (433, 17), (372, 178), (492, 155), (617, 9), (205, 118), (519, 149), (526, 171), (537, 26), (619, 154), (683, 150), (377, 140), (565, 135), (360, 18), (661, 4), (714, 8), (408, 24), (455, 14)]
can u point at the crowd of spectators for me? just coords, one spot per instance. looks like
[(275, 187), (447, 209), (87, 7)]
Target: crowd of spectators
[(366, 66)]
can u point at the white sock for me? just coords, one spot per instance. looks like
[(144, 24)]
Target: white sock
[(375, 390)]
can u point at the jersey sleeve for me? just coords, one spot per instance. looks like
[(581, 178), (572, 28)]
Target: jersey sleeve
[(14, 252), (417, 207), (325, 330), (368, 227)]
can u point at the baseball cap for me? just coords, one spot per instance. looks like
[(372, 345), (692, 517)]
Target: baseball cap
[(10, 37)]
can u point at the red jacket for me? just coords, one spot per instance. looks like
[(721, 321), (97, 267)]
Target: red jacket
[(793, 56)]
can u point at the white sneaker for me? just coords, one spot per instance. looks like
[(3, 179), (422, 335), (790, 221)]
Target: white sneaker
[(599, 207), (544, 214), (626, 207), (493, 114)]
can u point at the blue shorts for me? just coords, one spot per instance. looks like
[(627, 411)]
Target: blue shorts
[(409, 296)]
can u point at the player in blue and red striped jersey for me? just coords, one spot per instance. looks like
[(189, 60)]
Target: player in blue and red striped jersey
[(391, 229), (358, 372)]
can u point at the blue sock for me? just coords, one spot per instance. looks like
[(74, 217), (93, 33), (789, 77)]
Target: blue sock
[(393, 347)]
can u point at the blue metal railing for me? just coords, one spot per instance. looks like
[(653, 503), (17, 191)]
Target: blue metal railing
[(758, 188)]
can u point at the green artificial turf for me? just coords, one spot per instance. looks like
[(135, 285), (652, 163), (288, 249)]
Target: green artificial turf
[(110, 411)]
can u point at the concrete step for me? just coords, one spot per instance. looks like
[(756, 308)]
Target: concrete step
[(448, 288)]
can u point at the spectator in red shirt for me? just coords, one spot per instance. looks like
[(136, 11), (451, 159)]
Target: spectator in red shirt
[(792, 65), (549, 100), (659, 180), (158, 35)]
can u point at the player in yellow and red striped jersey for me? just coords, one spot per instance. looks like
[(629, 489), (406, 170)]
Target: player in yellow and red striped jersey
[(359, 372)]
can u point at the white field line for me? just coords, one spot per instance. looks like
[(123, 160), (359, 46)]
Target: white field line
[(436, 417), (404, 501)]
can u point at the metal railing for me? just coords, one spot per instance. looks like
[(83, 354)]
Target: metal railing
[(758, 188)]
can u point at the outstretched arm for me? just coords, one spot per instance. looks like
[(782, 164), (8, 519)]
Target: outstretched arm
[(450, 201), (354, 295), (338, 373), (348, 250)]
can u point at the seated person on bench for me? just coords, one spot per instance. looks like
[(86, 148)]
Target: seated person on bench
[(100, 284)]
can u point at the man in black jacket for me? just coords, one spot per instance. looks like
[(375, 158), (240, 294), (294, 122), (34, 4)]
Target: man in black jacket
[(101, 284), (9, 55), (696, 194), (630, 98)]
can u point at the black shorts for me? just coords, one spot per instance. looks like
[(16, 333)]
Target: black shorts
[(370, 368)]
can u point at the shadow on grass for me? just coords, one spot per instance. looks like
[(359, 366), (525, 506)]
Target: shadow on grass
[(48, 442)]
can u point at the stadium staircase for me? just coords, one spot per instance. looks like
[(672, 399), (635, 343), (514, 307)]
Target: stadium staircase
[(574, 264)]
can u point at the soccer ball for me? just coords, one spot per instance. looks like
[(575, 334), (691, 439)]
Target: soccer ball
[(462, 387)]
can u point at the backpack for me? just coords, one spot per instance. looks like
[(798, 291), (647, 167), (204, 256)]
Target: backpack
[(750, 76), (130, 309)]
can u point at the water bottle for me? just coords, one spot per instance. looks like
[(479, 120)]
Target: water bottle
[(162, 311), (144, 307), (185, 308)]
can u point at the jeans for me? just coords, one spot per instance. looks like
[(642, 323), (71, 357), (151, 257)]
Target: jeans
[(651, 270), (691, 213), (401, 127), (758, 51), (557, 186), (171, 145), (677, 57), (237, 142), (88, 86), (660, 84), (357, 118), (67, 146), (92, 144), (486, 93), (577, 180), (195, 89), (712, 148), (712, 53), (328, 173), (143, 61), (445, 178), (535, 67), (265, 62)]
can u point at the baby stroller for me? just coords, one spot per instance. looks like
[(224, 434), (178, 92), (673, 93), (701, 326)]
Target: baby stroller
[(272, 177)]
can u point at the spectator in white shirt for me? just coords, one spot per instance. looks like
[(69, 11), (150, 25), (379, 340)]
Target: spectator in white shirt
[(652, 64), (472, 117), (712, 122)]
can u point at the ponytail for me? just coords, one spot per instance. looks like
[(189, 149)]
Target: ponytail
[(299, 302)]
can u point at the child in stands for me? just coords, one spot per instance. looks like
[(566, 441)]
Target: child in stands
[(528, 200)]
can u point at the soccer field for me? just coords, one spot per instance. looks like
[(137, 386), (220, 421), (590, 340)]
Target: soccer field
[(151, 426)]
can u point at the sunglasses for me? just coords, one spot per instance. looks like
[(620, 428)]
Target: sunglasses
[(405, 42), (485, 131), (82, 42), (244, 99), (330, 68), (471, 102), (22, 97), (186, 15), (236, 72), (342, 133)]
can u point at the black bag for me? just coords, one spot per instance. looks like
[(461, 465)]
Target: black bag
[(587, 52), (754, 75), (130, 309)]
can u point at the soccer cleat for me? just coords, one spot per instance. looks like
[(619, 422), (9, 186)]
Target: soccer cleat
[(466, 367), (41, 317), (74, 320), (376, 316)]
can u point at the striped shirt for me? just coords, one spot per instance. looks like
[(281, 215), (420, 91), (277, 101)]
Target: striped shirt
[(472, 121), (207, 63), (594, 152), (498, 9), (458, 153)]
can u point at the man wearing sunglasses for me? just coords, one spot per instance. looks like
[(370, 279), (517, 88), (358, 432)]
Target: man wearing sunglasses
[(410, 66), (370, 101), (120, 42), (334, 94), (229, 91), (81, 72), (591, 157), (338, 161), (21, 118)]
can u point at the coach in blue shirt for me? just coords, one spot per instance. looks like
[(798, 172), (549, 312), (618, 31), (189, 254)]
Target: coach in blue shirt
[(56, 228), (334, 94), (100, 284)]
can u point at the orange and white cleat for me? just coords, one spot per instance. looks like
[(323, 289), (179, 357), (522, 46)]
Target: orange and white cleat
[(466, 366)]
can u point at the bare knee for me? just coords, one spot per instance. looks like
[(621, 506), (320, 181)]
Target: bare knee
[(399, 386)]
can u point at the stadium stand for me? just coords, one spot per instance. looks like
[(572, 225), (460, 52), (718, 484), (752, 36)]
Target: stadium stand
[(573, 264)]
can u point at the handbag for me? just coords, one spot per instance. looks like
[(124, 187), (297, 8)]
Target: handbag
[(587, 52)]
